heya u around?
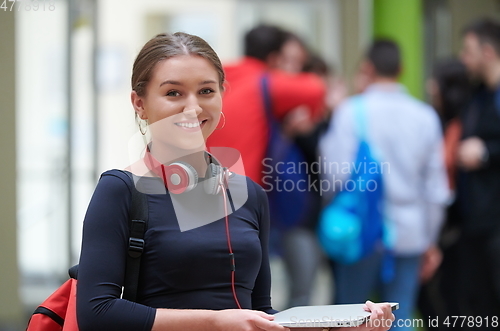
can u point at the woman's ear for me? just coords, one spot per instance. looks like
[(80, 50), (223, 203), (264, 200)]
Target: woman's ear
[(138, 104), (224, 87)]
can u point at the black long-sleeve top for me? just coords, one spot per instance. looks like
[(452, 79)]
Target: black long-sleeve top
[(179, 269)]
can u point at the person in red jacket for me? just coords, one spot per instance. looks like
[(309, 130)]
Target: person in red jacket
[(246, 127)]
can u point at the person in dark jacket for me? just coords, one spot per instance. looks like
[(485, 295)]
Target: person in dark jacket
[(449, 91), (479, 182)]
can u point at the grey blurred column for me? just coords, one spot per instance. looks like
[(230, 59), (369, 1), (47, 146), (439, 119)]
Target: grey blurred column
[(355, 35), (11, 313)]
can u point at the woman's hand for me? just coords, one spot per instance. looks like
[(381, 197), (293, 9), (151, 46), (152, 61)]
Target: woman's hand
[(380, 320), (245, 320)]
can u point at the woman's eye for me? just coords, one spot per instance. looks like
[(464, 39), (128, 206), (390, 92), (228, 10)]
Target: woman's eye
[(173, 94), (206, 91)]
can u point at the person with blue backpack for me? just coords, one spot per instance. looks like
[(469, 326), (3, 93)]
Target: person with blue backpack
[(388, 187)]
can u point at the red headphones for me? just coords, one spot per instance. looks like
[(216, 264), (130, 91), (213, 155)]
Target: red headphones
[(180, 177)]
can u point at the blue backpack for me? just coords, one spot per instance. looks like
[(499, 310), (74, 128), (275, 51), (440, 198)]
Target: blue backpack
[(352, 225)]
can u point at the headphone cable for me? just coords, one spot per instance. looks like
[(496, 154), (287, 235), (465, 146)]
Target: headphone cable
[(231, 254)]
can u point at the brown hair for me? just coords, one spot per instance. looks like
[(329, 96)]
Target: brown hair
[(165, 46), (385, 56)]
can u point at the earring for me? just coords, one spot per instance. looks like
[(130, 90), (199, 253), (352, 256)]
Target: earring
[(224, 124), (143, 131)]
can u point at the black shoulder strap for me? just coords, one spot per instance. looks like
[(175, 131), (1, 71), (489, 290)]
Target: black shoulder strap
[(138, 224)]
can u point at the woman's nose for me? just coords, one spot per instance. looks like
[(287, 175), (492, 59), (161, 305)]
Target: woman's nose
[(192, 111), (192, 107)]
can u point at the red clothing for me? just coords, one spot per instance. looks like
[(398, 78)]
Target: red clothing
[(246, 127)]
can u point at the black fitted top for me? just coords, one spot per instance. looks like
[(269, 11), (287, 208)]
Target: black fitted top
[(187, 269)]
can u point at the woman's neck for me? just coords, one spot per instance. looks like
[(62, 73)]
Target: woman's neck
[(167, 154)]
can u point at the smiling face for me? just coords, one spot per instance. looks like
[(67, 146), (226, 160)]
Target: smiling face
[(182, 103)]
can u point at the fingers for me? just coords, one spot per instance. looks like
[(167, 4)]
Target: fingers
[(266, 322), (246, 319), (268, 325), (264, 315), (381, 316)]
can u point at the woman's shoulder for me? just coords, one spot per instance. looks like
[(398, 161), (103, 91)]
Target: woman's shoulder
[(115, 180), (123, 175)]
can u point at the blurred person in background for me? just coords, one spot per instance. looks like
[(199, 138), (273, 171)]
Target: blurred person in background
[(440, 295), (293, 54), (243, 100), (297, 244), (479, 183), (406, 134), (295, 96), (301, 253)]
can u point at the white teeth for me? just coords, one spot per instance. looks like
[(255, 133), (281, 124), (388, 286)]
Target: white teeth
[(189, 125)]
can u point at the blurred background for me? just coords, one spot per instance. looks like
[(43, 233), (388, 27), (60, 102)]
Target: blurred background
[(65, 70)]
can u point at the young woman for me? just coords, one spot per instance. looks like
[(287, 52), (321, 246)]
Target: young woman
[(186, 281)]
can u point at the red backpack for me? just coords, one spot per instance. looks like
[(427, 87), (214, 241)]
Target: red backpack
[(58, 311)]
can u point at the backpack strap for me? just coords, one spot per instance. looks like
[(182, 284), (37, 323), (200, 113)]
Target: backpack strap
[(273, 123), (266, 96), (138, 224), (50, 313), (360, 116)]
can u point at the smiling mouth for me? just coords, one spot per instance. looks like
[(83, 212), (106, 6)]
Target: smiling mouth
[(190, 124)]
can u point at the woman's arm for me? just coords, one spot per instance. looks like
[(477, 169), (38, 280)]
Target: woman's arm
[(210, 320), (102, 262)]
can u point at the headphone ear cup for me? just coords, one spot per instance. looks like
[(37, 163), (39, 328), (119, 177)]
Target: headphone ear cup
[(181, 177), (213, 179)]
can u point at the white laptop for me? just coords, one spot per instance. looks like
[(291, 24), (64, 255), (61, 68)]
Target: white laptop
[(325, 316)]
